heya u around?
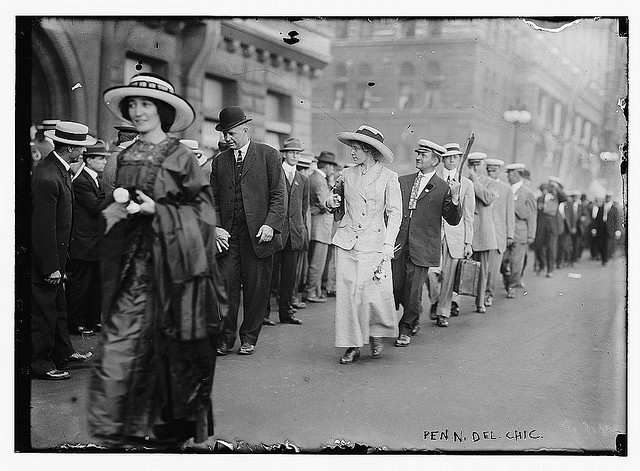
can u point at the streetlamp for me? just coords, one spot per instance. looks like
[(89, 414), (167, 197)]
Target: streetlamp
[(516, 117)]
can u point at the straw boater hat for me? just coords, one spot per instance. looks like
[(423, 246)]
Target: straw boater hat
[(370, 136), (292, 144), (453, 148), (230, 118), (68, 132), (47, 124), (514, 166), (151, 86), (477, 156), (97, 150), (305, 160), (193, 145), (494, 162), (425, 145)]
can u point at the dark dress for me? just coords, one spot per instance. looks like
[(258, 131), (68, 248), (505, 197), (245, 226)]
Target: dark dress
[(153, 374)]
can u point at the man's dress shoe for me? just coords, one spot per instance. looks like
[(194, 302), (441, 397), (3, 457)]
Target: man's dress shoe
[(352, 354), (55, 375), (455, 310), (442, 321), (77, 357), (246, 349), (403, 340), (299, 305), (291, 320), (315, 299), (268, 321)]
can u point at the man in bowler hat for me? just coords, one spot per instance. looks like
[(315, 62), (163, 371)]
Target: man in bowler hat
[(250, 200)]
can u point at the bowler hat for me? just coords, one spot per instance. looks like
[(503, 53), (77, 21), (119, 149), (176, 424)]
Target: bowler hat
[(292, 144), (231, 117), (327, 157)]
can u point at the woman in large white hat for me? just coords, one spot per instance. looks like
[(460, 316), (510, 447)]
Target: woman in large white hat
[(369, 201), (153, 375)]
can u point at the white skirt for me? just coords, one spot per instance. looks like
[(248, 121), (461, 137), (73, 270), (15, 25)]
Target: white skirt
[(364, 307)]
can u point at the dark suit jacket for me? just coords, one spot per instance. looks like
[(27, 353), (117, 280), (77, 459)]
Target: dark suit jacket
[(614, 220), (570, 218), (86, 218), (51, 217), (295, 223), (420, 231), (263, 193)]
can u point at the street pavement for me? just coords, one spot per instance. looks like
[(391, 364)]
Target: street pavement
[(545, 371)]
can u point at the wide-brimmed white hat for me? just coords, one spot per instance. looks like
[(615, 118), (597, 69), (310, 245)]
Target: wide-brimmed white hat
[(370, 136), (151, 86), (71, 133)]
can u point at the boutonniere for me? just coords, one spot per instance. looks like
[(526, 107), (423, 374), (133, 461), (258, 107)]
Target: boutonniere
[(428, 187)]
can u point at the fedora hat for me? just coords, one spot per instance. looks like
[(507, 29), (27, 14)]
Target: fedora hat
[(327, 157), (68, 132), (151, 86), (193, 145), (231, 117), (370, 136), (98, 149), (425, 145), (291, 144)]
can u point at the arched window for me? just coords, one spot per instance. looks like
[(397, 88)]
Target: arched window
[(341, 70)]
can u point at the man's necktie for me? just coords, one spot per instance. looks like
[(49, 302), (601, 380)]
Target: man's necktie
[(239, 157), (414, 192)]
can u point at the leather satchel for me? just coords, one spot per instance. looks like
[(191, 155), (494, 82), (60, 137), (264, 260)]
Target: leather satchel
[(467, 277)]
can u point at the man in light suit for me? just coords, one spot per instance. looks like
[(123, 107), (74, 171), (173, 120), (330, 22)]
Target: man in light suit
[(294, 233), (484, 232), (426, 199), (51, 217), (84, 288), (249, 192), (504, 219), (321, 226), (526, 213), (456, 240)]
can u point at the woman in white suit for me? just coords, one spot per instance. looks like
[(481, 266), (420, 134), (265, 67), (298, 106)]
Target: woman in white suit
[(371, 205)]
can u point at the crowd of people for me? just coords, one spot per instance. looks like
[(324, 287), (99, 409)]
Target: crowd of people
[(153, 246)]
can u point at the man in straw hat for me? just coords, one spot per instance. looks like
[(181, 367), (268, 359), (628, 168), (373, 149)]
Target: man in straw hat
[(84, 288), (456, 240), (426, 200), (321, 225), (51, 217), (484, 232), (294, 233), (524, 207), (504, 219), (250, 196)]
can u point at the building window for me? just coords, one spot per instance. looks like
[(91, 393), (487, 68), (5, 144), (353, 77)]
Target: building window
[(366, 29), (405, 97), (342, 29), (577, 129), (586, 134), (409, 28), (278, 114), (339, 96), (435, 28), (137, 63), (542, 109), (364, 96), (217, 93), (432, 98)]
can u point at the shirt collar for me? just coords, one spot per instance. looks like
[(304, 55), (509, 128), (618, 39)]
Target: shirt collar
[(288, 168), (516, 186), (64, 162), (91, 172), (449, 173), (427, 175), (243, 149)]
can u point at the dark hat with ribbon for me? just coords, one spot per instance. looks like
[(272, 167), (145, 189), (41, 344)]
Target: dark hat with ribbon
[(231, 117), (327, 157), (370, 136), (292, 144), (99, 149)]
